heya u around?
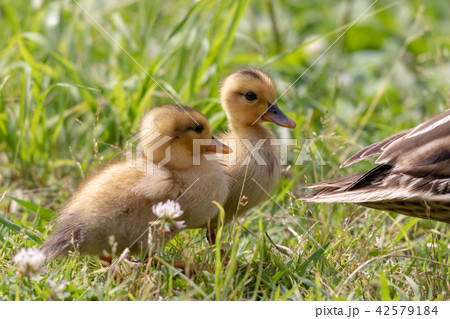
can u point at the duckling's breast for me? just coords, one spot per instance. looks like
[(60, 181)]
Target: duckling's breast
[(253, 174), (202, 185)]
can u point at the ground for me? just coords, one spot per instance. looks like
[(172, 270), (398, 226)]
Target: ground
[(76, 77)]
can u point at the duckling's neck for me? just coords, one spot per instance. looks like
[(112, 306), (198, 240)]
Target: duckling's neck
[(247, 130)]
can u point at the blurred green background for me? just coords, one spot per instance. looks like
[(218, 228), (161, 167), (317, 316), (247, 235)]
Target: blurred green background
[(58, 68), (75, 81)]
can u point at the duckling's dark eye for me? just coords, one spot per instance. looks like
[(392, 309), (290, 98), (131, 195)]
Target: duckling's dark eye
[(198, 128), (250, 96)]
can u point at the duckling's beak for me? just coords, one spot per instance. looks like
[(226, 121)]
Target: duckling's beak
[(275, 115), (217, 146)]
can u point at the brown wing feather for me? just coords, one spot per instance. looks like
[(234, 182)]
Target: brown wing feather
[(338, 182), (413, 177), (425, 151), (406, 141), (373, 150)]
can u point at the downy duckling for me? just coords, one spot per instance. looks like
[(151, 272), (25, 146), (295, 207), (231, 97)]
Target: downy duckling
[(248, 98), (118, 200), (412, 176)]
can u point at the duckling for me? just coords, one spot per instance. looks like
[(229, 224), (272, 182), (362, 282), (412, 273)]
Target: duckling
[(248, 97), (118, 200), (412, 178)]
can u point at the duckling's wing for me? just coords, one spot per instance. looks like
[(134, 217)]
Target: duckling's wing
[(113, 194)]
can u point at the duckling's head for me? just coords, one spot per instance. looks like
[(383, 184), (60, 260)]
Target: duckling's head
[(174, 135), (249, 97)]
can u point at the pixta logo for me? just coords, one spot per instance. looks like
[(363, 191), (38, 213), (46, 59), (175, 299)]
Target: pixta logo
[(147, 151), (140, 150)]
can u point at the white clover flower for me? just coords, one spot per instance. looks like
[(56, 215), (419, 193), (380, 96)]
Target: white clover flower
[(166, 213), (36, 4), (170, 209), (29, 261), (180, 224), (57, 288)]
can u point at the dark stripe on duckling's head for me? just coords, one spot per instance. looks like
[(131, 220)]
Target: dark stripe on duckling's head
[(252, 72)]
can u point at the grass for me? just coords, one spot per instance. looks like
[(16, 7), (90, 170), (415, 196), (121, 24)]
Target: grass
[(70, 97)]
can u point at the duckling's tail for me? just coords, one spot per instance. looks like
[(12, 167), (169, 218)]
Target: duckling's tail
[(63, 240)]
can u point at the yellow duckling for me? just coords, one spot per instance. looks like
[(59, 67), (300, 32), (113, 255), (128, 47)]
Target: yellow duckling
[(119, 200), (248, 98)]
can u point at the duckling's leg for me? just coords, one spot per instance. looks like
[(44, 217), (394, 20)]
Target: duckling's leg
[(106, 260), (211, 234)]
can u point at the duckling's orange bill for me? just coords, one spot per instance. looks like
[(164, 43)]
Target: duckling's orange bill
[(217, 146), (275, 115)]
